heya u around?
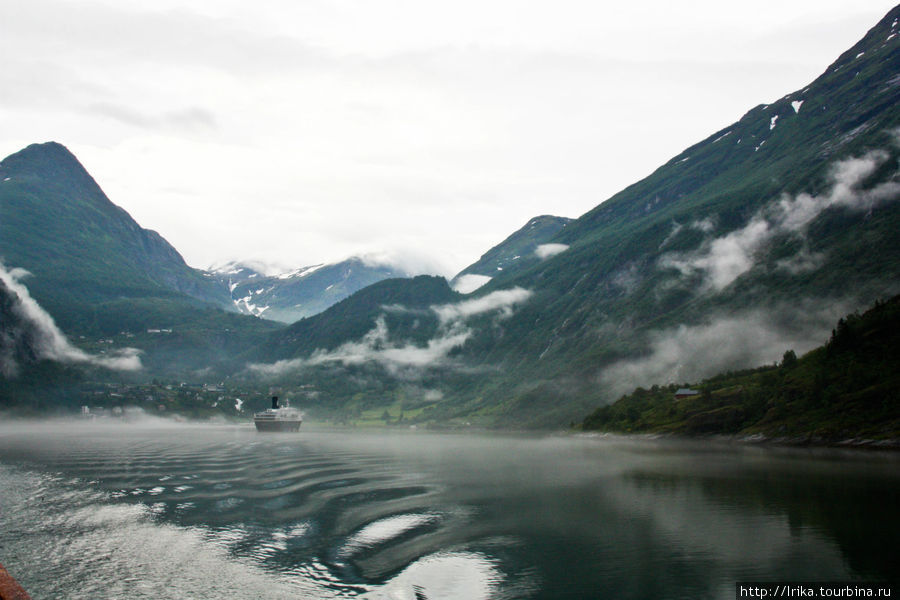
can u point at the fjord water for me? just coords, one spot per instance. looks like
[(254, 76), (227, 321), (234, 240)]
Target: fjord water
[(123, 511)]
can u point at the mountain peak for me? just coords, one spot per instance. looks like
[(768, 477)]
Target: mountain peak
[(54, 164), (36, 155)]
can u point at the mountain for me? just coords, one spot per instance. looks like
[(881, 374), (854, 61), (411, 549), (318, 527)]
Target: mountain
[(753, 240), (844, 390), (83, 250), (403, 301), (300, 293), (106, 281), (750, 242), (234, 272), (524, 247)]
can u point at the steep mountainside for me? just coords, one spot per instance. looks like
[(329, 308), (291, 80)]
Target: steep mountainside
[(301, 293), (83, 250), (524, 247), (751, 242), (758, 236)]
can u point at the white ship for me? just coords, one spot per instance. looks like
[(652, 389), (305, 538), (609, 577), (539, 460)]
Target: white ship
[(277, 418)]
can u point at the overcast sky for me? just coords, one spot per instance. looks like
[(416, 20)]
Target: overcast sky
[(305, 131)]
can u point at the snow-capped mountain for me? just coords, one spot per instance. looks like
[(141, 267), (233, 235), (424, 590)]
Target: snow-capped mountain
[(298, 293)]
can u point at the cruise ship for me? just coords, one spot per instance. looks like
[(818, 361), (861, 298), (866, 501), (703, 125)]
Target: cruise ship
[(278, 418)]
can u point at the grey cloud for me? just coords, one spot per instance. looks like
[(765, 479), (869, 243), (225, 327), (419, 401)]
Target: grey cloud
[(52, 344), (410, 259), (111, 34), (705, 225), (376, 346), (676, 229), (627, 278), (501, 300), (724, 259), (802, 262), (192, 118), (547, 250), (468, 283), (37, 83), (692, 352), (123, 114)]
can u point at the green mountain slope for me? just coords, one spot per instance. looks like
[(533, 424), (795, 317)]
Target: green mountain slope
[(83, 250), (848, 388)]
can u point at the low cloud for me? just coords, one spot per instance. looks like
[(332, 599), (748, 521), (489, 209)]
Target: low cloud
[(49, 342), (724, 259), (705, 225), (376, 346), (410, 260), (433, 395), (547, 250), (501, 300), (753, 338), (468, 283)]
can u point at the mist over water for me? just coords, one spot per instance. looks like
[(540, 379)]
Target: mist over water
[(163, 511)]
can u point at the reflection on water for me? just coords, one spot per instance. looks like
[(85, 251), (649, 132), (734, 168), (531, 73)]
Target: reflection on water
[(214, 512)]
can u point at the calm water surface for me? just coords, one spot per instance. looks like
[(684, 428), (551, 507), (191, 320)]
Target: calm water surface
[(223, 512)]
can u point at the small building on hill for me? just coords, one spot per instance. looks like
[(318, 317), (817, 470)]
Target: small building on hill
[(685, 393)]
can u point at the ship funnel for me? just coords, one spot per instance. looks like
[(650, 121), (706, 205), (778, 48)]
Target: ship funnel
[(274, 402)]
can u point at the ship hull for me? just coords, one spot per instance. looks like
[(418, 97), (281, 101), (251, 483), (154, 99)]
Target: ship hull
[(273, 425)]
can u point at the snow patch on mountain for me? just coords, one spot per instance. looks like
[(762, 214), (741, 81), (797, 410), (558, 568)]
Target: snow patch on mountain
[(245, 305)]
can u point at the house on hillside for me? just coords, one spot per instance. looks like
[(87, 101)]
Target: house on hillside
[(685, 393)]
